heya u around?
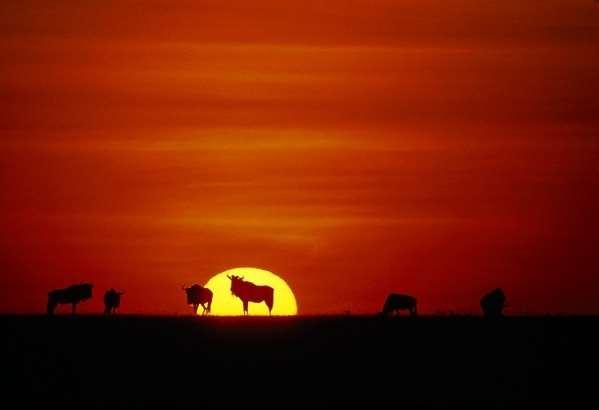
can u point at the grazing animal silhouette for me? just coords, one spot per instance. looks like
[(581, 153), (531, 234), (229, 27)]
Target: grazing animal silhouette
[(249, 292), (71, 295), (396, 302), (199, 296), (112, 301), (493, 303)]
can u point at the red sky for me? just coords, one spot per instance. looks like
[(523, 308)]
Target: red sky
[(355, 148)]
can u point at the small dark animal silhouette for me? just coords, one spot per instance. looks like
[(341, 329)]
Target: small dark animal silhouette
[(199, 296), (71, 295), (112, 301), (249, 292), (396, 302), (493, 303)]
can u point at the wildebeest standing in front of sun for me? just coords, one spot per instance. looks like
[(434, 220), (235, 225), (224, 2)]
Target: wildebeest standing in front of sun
[(198, 295), (249, 292)]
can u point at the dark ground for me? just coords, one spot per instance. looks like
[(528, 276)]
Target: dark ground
[(132, 361)]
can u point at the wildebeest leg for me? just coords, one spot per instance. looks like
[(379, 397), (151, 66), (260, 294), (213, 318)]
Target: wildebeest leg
[(245, 307), (269, 303)]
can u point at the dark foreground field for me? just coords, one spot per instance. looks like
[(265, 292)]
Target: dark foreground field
[(128, 361)]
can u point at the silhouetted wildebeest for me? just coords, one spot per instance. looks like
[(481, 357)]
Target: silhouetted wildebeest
[(198, 295), (493, 303), (71, 295), (112, 300), (248, 292), (396, 302)]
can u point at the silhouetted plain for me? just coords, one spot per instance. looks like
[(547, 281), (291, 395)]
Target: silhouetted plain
[(198, 295), (135, 362), (493, 303), (396, 302), (72, 295), (112, 301), (249, 292)]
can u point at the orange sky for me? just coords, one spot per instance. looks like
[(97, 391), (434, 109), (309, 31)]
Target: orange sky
[(353, 147)]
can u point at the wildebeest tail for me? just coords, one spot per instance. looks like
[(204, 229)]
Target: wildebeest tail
[(270, 299)]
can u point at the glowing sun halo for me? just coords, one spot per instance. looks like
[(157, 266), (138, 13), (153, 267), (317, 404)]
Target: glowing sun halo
[(226, 304)]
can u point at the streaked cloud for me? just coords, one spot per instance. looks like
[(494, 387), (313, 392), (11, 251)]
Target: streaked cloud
[(387, 145)]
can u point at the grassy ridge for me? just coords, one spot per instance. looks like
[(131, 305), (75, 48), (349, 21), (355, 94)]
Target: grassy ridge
[(126, 361)]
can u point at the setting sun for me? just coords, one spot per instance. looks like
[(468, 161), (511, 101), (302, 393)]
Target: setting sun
[(224, 303)]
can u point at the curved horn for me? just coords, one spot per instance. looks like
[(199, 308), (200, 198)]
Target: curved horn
[(229, 276)]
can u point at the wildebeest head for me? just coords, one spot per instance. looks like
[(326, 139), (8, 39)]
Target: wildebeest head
[(112, 298), (493, 302), (193, 293), (113, 293), (86, 290), (78, 292), (52, 301), (188, 293), (237, 284)]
